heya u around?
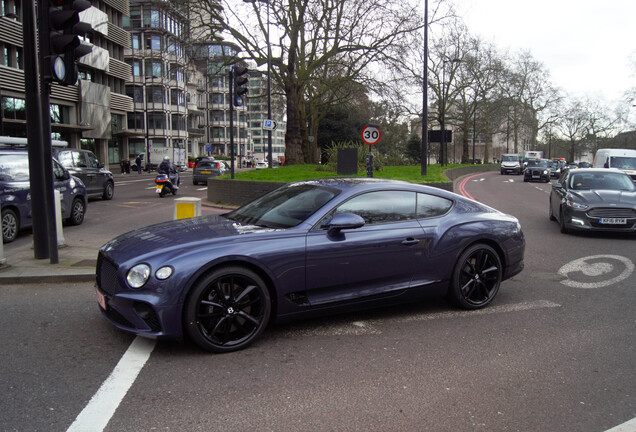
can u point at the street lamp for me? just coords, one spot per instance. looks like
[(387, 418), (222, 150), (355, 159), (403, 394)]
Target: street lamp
[(269, 85), (424, 150), (442, 151)]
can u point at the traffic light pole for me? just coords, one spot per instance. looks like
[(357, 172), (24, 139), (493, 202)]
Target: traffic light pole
[(39, 148), (232, 122)]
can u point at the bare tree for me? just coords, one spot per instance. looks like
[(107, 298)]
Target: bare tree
[(319, 47), (574, 125)]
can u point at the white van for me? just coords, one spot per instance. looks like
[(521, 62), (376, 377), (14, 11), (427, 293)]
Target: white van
[(622, 159)]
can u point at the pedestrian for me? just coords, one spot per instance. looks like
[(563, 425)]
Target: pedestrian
[(123, 166), (138, 162)]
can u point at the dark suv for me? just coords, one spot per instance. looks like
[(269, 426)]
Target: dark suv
[(84, 164), (15, 193)]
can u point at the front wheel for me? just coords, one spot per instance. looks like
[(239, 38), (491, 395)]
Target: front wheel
[(476, 277), (227, 310)]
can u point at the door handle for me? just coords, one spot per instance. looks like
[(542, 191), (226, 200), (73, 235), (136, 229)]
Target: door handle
[(410, 241)]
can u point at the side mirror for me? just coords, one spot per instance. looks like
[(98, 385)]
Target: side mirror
[(557, 186), (100, 165), (344, 221)]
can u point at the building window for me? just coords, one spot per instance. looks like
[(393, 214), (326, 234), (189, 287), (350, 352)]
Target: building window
[(153, 68), (178, 122), (218, 132), (136, 93), (156, 121), (176, 97), (155, 94), (13, 108), (152, 18), (176, 73), (135, 40), (59, 114), (134, 21), (153, 42), (135, 120)]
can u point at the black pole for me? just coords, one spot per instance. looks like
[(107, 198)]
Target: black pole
[(442, 145), (474, 127), (424, 151), (232, 121), (269, 94)]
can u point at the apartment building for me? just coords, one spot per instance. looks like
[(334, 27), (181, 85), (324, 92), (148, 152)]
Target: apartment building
[(91, 114)]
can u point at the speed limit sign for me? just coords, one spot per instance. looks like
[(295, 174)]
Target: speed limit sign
[(371, 134)]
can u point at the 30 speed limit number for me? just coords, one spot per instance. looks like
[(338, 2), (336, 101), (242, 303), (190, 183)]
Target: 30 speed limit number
[(371, 134)]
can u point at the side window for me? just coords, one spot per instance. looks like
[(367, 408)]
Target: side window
[(58, 172), (430, 205), (65, 158), (381, 207), (78, 160), (93, 162), (563, 178)]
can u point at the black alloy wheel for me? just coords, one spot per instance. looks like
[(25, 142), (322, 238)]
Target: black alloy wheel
[(78, 209), (476, 277), (10, 225), (227, 310)]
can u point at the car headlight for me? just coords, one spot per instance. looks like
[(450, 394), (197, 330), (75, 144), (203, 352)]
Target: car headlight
[(138, 275), (545, 171), (576, 205), (164, 273)]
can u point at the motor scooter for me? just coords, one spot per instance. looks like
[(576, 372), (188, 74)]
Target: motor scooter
[(164, 185)]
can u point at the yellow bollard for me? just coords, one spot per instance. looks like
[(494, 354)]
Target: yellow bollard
[(187, 207)]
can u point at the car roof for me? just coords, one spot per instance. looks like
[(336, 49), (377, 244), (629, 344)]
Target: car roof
[(598, 171)]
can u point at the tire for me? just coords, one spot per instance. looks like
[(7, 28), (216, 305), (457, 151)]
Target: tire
[(163, 192), (564, 229), (227, 310), (78, 210), (10, 225), (109, 191), (476, 277), (550, 214), (195, 182)]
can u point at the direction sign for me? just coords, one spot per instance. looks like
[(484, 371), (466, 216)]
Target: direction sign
[(371, 134), (269, 124)]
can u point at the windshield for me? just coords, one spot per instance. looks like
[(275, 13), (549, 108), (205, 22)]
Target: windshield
[(14, 167), (608, 181), (623, 162), (285, 207), (538, 163), (510, 158)]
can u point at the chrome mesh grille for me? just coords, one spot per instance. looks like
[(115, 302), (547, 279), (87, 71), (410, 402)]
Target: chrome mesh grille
[(612, 212)]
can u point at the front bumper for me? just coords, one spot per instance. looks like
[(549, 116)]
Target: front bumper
[(593, 219)]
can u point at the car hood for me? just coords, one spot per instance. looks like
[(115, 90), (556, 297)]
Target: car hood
[(601, 196), (184, 233)]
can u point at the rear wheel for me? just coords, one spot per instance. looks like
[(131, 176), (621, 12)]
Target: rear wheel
[(476, 277), (227, 310), (10, 225), (78, 209)]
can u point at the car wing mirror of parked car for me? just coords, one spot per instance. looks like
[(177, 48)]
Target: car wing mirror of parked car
[(344, 221)]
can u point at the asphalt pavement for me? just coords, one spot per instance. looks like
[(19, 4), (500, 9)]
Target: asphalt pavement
[(76, 262)]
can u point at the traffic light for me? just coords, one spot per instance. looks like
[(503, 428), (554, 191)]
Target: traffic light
[(240, 84), (63, 46)]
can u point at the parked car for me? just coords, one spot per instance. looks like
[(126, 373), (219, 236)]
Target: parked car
[(84, 164), (537, 170), (15, 193), (584, 165), (594, 199), (306, 248), (206, 168)]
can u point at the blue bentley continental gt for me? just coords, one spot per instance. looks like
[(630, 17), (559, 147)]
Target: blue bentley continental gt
[(307, 248)]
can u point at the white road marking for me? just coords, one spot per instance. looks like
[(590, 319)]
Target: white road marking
[(590, 268), (629, 426), (104, 403), (357, 328)]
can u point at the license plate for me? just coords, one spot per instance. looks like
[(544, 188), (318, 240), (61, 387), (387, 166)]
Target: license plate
[(206, 172), (612, 221), (158, 190), (101, 300)]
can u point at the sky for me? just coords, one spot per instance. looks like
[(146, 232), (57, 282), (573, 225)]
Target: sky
[(585, 45)]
